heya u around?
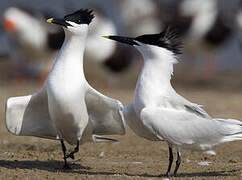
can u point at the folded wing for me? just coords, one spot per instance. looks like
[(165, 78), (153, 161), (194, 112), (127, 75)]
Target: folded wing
[(29, 116), (181, 127), (189, 106)]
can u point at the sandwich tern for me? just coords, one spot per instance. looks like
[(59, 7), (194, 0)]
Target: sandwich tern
[(67, 107), (160, 113)]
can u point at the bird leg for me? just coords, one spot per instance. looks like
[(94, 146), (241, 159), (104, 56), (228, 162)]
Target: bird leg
[(66, 166), (170, 161), (71, 155), (178, 161)]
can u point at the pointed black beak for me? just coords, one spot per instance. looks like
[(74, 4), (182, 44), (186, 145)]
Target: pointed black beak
[(125, 40), (61, 22)]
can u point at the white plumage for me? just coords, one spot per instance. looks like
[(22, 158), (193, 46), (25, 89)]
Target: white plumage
[(159, 113), (168, 116), (66, 107), (165, 115)]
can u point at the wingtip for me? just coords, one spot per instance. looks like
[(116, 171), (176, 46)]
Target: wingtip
[(99, 139), (12, 123)]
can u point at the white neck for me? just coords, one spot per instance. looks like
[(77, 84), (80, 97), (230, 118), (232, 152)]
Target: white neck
[(155, 76), (70, 58)]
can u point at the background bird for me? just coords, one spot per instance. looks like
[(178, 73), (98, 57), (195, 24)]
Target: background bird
[(35, 41), (209, 33), (22, 23)]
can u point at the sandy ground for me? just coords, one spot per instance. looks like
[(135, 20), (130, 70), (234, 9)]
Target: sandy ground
[(132, 158)]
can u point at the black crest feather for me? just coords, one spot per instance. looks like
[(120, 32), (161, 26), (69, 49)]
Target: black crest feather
[(168, 39), (82, 16)]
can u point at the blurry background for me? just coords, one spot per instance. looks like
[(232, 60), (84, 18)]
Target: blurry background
[(211, 31), (209, 73)]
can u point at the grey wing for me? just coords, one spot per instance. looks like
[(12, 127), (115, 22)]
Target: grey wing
[(105, 114), (195, 108), (29, 116), (186, 129), (190, 107), (180, 127)]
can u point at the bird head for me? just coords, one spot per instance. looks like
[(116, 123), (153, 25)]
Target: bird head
[(74, 22), (167, 39)]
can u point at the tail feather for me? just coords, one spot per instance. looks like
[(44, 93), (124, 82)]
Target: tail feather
[(231, 129), (235, 137)]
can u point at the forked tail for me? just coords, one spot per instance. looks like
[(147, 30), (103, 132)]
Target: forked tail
[(231, 129)]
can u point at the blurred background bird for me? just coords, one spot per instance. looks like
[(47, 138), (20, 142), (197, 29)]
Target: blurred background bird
[(209, 33), (34, 43), (211, 30), (33, 39)]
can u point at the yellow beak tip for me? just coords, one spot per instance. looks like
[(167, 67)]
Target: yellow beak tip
[(106, 37), (50, 20)]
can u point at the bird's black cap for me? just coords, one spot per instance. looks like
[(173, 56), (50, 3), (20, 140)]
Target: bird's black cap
[(82, 16), (168, 39)]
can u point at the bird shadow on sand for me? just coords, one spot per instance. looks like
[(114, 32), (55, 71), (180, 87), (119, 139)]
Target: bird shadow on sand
[(57, 166), (51, 165), (209, 174), (193, 174)]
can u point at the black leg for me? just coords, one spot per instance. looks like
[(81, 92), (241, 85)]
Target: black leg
[(178, 161), (71, 155), (170, 161), (66, 166)]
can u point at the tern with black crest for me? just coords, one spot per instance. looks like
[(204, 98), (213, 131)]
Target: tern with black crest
[(159, 113), (67, 108)]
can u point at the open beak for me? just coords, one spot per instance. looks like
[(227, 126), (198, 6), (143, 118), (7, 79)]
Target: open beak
[(61, 22), (125, 40)]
